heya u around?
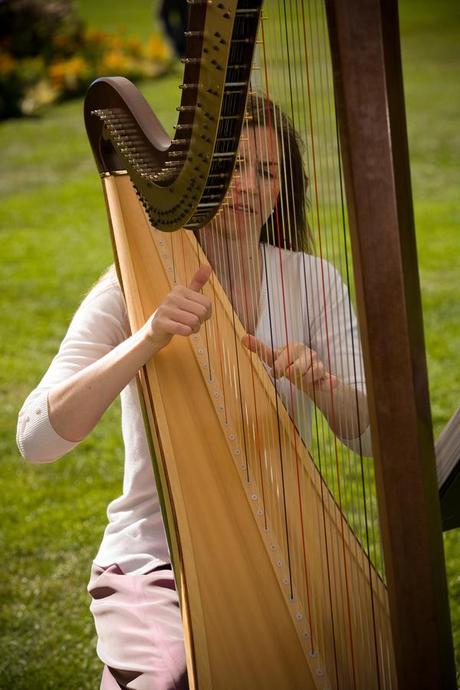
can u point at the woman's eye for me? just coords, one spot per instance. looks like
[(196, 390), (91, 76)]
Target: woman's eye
[(265, 171)]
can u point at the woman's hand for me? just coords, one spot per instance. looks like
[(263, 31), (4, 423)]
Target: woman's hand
[(296, 362), (344, 407), (76, 404), (182, 311)]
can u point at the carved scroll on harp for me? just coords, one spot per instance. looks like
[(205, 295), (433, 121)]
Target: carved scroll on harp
[(325, 625), (183, 181)]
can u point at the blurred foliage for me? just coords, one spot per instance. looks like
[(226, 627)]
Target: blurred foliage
[(28, 28), (47, 53)]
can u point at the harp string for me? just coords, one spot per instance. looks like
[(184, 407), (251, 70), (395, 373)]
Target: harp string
[(289, 98), (249, 274), (228, 265), (218, 342), (332, 196), (273, 136), (286, 224), (280, 219), (337, 218), (327, 581), (262, 120), (251, 285), (253, 130), (338, 203), (358, 503), (324, 116), (236, 275), (312, 132), (329, 364), (252, 288)]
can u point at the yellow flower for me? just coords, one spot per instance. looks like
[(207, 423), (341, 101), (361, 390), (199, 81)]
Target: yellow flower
[(134, 45), (96, 36), (157, 49), (76, 66), (115, 41), (66, 74), (114, 61)]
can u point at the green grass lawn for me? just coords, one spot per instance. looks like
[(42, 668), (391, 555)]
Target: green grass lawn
[(55, 243)]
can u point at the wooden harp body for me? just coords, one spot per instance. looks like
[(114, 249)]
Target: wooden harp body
[(277, 590)]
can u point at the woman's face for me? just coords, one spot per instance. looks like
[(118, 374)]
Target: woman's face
[(255, 186)]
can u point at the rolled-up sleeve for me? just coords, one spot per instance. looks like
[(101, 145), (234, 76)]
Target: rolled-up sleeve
[(37, 441), (99, 324)]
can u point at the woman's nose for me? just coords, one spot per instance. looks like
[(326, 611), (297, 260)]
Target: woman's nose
[(246, 179)]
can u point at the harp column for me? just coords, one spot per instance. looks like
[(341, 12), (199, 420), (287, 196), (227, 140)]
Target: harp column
[(366, 58)]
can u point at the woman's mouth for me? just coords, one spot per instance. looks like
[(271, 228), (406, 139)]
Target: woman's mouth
[(240, 208)]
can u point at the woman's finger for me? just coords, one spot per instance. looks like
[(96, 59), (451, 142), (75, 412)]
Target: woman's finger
[(200, 277), (287, 356), (178, 300), (255, 345)]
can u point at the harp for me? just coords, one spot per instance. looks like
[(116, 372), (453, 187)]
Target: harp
[(281, 585)]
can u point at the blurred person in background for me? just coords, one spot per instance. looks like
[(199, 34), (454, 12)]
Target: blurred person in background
[(173, 14)]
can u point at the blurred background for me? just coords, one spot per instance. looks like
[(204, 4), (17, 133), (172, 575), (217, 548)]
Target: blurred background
[(55, 243)]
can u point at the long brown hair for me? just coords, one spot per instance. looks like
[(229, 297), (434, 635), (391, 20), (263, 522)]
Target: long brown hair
[(287, 226)]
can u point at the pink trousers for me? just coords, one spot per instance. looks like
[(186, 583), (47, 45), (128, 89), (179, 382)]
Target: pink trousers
[(139, 629)]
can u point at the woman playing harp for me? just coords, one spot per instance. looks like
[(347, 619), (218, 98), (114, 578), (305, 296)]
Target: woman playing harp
[(295, 311)]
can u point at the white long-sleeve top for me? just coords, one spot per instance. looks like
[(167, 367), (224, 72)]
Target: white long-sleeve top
[(316, 311)]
